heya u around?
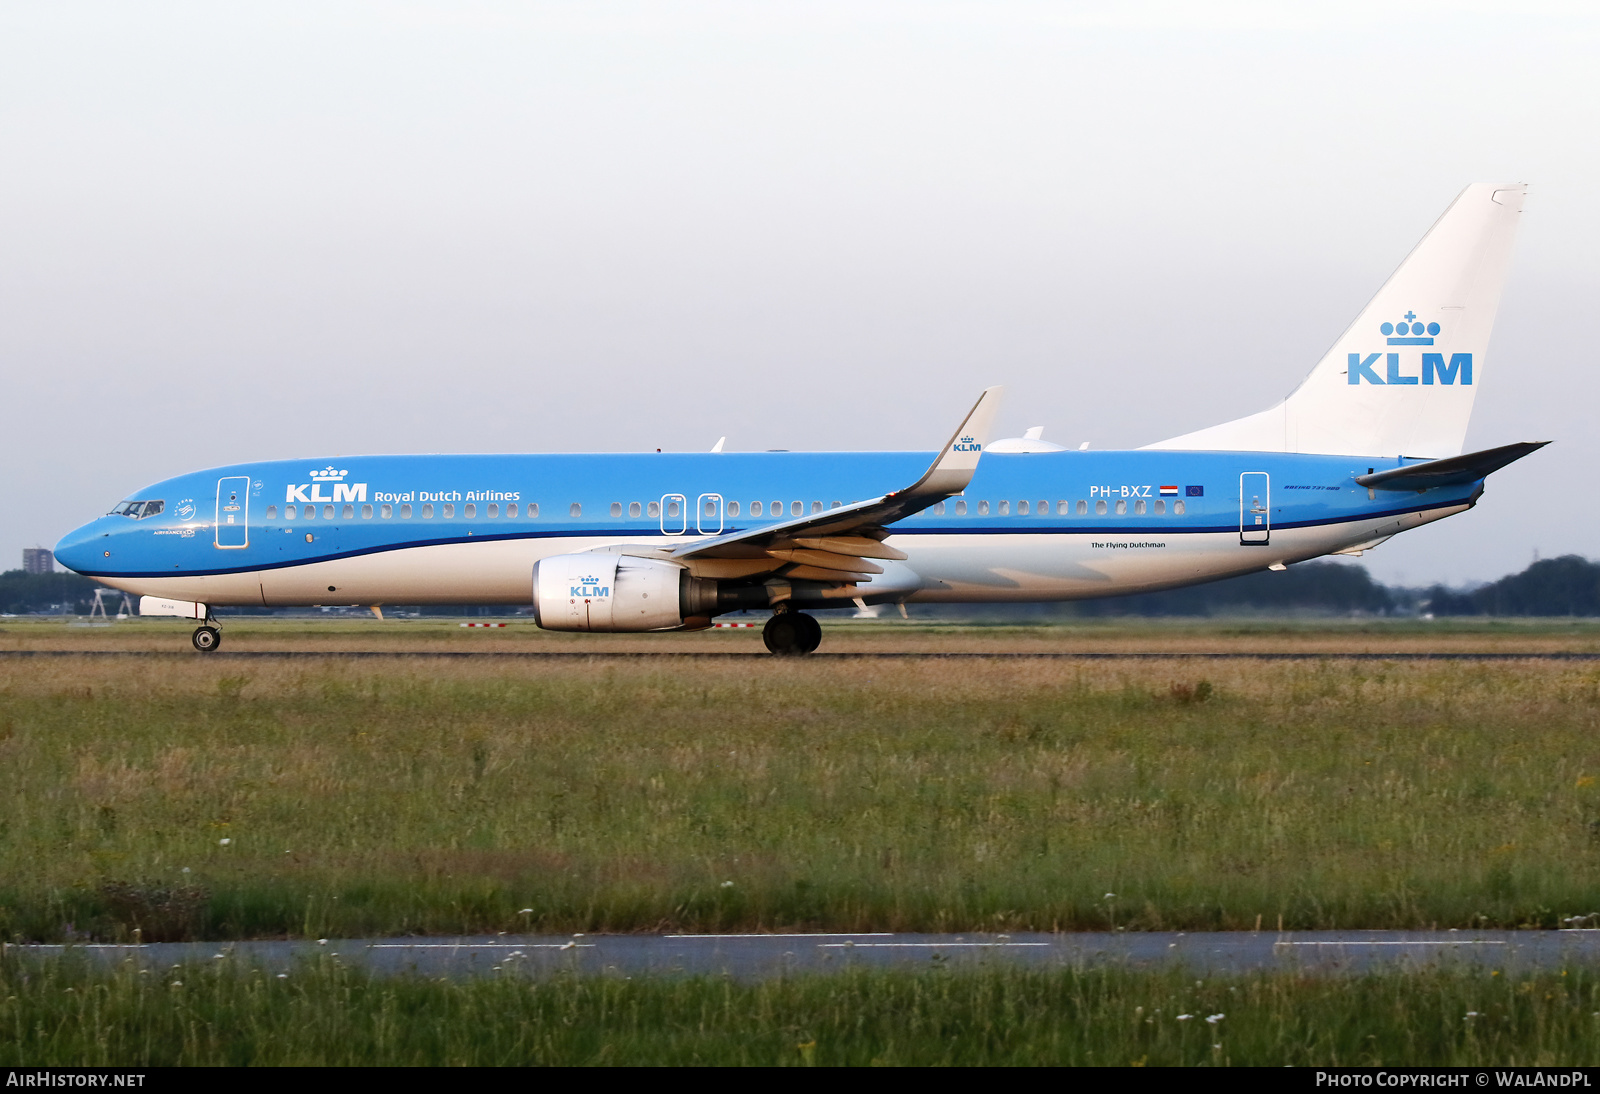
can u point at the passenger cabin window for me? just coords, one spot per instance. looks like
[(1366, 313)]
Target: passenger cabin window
[(1083, 507), (796, 508), (672, 509), (1005, 508), (366, 512), (1177, 508), (575, 509), (511, 509), (616, 508), (938, 508), (494, 510), (468, 510), (634, 509), (405, 512), (733, 508), (427, 512), (1022, 508), (290, 512), (533, 510), (1138, 508), (1161, 507), (1100, 507), (349, 512), (1122, 507), (449, 511), (654, 509), (755, 509), (1063, 508), (983, 508), (311, 512), (816, 507), (711, 507), (961, 508), (1044, 509), (387, 511), (835, 504), (272, 512), (327, 512)]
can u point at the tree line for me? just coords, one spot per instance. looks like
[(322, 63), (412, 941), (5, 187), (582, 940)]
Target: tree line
[(1565, 586)]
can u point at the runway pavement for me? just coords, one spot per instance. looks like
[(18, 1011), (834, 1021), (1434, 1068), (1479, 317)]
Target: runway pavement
[(758, 956), (536, 655)]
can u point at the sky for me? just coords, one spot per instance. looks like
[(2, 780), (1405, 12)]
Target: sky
[(238, 232)]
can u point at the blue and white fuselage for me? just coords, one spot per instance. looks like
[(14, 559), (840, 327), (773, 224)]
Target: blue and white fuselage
[(1368, 446), (468, 529)]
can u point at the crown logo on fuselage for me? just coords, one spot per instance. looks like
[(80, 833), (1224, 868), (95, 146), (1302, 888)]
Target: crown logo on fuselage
[(328, 474), (1410, 331)]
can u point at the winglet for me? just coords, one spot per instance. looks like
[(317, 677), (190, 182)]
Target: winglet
[(956, 465)]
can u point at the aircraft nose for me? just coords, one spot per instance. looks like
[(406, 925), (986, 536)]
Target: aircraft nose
[(82, 548)]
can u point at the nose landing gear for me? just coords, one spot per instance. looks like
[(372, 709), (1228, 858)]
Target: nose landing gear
[(792, 633)]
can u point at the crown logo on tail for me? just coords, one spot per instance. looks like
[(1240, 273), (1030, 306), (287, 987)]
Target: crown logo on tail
[(1410, 331)]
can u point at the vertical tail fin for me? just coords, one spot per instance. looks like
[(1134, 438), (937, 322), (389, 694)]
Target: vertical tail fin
[(1401, 379)]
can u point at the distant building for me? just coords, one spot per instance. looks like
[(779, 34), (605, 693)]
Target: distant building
[(37, 560)]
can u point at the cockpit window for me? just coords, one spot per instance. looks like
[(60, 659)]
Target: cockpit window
[(138, 510)]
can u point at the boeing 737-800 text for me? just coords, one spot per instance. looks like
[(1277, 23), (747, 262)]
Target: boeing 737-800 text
[(1369, 445)]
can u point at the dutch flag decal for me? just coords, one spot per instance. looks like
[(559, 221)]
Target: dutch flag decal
[(1169, 491)]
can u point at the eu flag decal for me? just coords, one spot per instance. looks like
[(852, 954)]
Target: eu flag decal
[(1194, 491)]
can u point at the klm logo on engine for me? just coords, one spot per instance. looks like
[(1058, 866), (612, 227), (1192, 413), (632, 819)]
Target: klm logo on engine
[(1410, 332), (329, 476), (589, 588), (966, 444)]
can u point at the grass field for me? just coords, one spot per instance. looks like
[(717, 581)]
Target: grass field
[(181, 796), (57, 1013)]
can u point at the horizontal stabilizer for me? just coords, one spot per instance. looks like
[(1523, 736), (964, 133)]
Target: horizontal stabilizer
[(1449, 472)]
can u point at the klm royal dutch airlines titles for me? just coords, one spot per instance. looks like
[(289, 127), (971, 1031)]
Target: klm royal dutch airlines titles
[(1369, 445)]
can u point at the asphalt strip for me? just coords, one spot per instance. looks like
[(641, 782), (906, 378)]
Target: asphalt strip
[(326, 655), (762, 956)]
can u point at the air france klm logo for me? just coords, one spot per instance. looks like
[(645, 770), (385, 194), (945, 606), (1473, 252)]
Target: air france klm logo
[(589, 588), (966, 444), (1410, 331), (330, 475)]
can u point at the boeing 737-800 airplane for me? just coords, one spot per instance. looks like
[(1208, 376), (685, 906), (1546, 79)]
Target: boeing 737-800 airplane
[(1368, 446)]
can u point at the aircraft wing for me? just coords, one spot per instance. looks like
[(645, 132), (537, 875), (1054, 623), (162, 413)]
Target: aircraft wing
[(837, 545)]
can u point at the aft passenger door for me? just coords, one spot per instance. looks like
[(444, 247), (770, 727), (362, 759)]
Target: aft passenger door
[(1255, 508), (233, 511)]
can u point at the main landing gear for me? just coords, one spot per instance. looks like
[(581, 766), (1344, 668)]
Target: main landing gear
[(207, 636), (790, 633)]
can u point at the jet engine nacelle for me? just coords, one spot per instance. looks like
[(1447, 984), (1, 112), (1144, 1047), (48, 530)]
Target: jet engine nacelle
[(608, 592)]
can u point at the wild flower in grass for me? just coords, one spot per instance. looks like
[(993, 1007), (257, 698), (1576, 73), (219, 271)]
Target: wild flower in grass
[(1470, 1015), (283, 976), (727, 884), (1184, 1017), (1213, 1019), (224, 841)]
